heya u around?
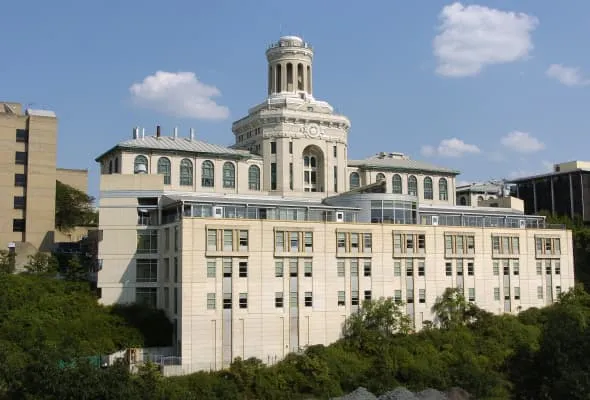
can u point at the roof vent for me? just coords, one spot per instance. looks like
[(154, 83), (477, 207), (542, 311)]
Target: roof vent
[(158, 131), (175, 132), (192, 133)]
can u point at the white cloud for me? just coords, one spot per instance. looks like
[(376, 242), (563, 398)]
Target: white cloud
[(519, 174), (450, 148), (568, 76), (179, 94), (472, 37), (522, 142), (548, 166)]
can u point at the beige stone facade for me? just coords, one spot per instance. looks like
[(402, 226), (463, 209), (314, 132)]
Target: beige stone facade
[(266, 247)]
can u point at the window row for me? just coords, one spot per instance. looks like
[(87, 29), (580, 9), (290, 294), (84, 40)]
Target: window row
[(506, 267), (410, 266), (294, 241), (227, 267), (227, 239), (457, 244), (552, 267), (546, 246), (460, 268), (186, 174), (514, 292), (293, 265), (412, 185), (505, 245), (243, 300), (354, 242), (409, 243)]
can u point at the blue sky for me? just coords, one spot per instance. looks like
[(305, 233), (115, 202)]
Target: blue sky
[(492, 88)]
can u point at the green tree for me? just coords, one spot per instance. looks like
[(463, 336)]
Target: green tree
[(451, 309), (41, 263), (73, 208), (7, 265), (76, 269)]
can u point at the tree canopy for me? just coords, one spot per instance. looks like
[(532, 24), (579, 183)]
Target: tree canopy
[(73, 208)]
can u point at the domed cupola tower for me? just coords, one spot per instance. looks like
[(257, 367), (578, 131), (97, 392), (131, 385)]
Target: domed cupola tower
[(302, 141), (290, 66)]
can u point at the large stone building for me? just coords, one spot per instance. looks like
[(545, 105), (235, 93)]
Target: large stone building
[(28, 142), (266, 247)]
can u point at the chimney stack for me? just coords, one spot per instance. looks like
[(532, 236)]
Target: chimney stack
[(192, 134), (135, 132), (175, 132), (157, 130), (143, 133)]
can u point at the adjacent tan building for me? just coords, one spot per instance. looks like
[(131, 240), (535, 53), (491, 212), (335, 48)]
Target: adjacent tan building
[(28, 142), (266, 247)]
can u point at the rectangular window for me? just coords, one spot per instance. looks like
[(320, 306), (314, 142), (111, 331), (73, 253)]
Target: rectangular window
[(243, 302), (336, 179), (290, 147), (496, 244), (146, 296), (273, 176), (18, 225), (293, 268), (228, 240), (496, 266), (20, 180), (243, 240), (175, 300), (506, 292), (175, 269), (291, 176), (397, 296), (308, 239), (459, 267), (243, 269), (354, 268), (448, 269), (341, 298), (20, 158), (505, 245), (167, 239), (19, 202), (308, 299), (540, 292), (293, 300), (367, 242), (367, 268), (539, 268), (227, 267), (516, 293), (166, 298), (354, 242), (279, 241), (335, 150), (273, 147), (22, 135), (548, 267), (279, 269), (422, 295), (176, 239), (421, 268), (397, 268), (211, 239), (167, 270), (340, 268), (307, 269), (409, 296), (210, 301), (341, 241), (368, 295), (516, 268), (557, 267), (496, 293), (227, 301), (471, 294), (506, 267), (147, 241), (557, 291), (210, 269), (279, 300), (470, 269), (515, 245), (146, 270), (409, 268), (354, 299), (294, 241)]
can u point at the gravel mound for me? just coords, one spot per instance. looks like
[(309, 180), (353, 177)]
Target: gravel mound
[(431, 394), (402, 393), (359, 394), (399, 393)]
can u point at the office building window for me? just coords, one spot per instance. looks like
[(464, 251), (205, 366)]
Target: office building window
[(229, 175), (22, 135), (147, 241), (211, 269), (227, 267), (207, 174), (243, 269), (20, 180), (290, 147), (517, 293), (290, 176), (166, 269), (448, 269), (211, 239), (294, 241), (228, 240), (308, 239), (227, 303), (547, 246), (428, 190), (175, 300), (404, 243), (19, 202), (164, 169), (340, 268), (396, 184), (367, 268), (459, 267), (210, 301), (540, 292), (443, 193), (18, 225), (146, 296), (557, 291), (496, 268), (273, 147), (335, 150), (410, 295), (410, 267), (293, 268), (176, 238), (243, 235), (254, 177), (506, 267), (308, 299), (557, 265), (186, 172), (368, 295), (273, 176), (167, 239), (146, 270), (278, 269), (307, 269), (497, 293), (471, 296), (516, 268), (539, 268), (354, 268), (336, 179), (421, 268), (279, 300), (293, 300), (397, 296), (20, 158), (397, 268), (354, 299), (279, 241), (355, 180), (341, 298), (243, 302), (470, 269), (422, 295)]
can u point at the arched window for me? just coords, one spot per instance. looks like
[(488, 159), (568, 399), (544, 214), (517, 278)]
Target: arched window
[(229, 175), (289, 77), (300, 77), (164, 169), (186, 172), (207, 174), (117, 165), (110, 166), (140, 165), (428, 194), (479, 199), (313, 169), (279, 79), (254, 177), (412, 185), (463, 201), (443, 190), (396, 184), (380, 177), (355, 180)]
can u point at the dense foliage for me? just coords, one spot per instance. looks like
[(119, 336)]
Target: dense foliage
[(73, 208)]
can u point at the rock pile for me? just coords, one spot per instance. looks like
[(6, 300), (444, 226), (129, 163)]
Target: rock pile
[(404, 394)]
